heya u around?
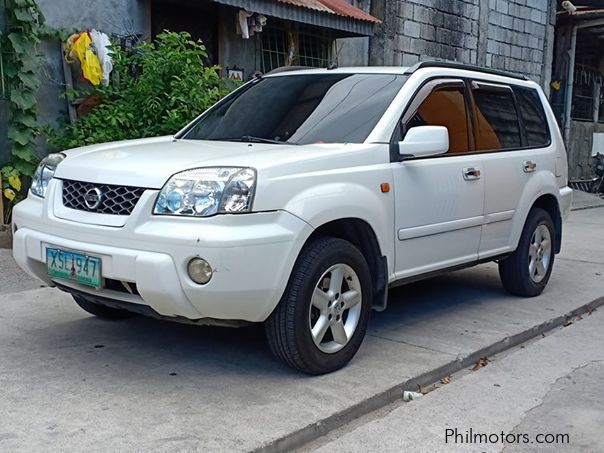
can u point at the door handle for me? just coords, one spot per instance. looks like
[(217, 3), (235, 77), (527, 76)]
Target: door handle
[(471, 173), (529, 166)]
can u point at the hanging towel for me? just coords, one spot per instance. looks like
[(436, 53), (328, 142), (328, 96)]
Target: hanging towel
[(82, 50), (101, 44)]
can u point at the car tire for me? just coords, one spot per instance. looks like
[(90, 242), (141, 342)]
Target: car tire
[(101, 311), (526, 272), (322, 317)]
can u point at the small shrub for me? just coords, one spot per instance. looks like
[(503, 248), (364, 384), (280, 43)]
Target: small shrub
[(155, 89)]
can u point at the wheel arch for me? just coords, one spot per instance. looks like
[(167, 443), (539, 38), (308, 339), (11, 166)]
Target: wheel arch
[(361, 234), (542, 191), (549, 203)]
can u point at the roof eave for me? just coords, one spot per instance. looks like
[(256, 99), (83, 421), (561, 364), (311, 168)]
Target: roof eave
[(351, 27)]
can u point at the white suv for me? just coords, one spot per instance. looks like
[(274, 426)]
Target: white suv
[(299, 199)]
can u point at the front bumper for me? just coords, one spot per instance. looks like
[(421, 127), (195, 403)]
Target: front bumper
[(252, 256)]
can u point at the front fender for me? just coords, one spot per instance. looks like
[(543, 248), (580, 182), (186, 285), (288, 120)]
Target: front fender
[(324, 203)]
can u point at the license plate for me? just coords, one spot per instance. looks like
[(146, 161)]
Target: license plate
[(74, 266)]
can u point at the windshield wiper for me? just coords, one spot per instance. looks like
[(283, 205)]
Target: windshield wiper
[(251, 138)]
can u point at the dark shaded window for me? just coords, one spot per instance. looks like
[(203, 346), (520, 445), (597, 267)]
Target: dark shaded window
[(533, 117), (497, 124), (200, 20), (445, 107), (302, 109)]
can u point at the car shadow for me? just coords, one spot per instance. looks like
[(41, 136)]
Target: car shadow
[(171, 349), (414, 303)]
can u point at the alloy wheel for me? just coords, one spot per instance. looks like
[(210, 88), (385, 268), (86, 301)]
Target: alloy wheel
[(540, 253), (335, 308)]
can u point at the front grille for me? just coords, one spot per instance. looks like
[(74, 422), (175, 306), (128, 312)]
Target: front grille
[(116, 200)]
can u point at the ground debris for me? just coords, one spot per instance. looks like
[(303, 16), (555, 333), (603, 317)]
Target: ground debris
[(446, 380), (482, 362), (410, 396), (569, 322), (426, 390)]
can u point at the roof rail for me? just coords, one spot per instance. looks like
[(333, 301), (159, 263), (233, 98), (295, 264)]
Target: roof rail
[(288, 69), (467, 67)]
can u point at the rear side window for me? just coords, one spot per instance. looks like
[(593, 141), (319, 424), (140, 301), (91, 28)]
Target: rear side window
[(497, 125), (445, 106), (533, 117)]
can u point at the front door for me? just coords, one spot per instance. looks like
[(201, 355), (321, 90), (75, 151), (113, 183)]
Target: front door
[(438, 200)]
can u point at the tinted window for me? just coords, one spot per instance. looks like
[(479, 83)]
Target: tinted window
[(445, 107), (533, 117), (302, 109), (497, 124)]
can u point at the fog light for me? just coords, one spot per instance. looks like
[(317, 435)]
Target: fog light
[(199, 271)]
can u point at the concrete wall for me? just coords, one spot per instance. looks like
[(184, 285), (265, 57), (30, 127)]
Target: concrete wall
[(513, 35), (233, 49), (580, 161), (354, 51)]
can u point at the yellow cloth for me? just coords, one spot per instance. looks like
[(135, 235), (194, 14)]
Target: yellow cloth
[(81, 48)]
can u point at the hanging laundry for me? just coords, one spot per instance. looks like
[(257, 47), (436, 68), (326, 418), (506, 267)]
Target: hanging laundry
[(79, 46), (249, 23), (256, 22), (242, 27), (102, 45)]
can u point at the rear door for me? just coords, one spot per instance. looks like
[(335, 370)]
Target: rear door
[(511, 130), (438, 200)]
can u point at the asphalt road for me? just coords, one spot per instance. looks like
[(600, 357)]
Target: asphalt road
[(70, 382)]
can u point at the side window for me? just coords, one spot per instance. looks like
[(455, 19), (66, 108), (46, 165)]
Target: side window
[(445, 106), (497, 125), (533, 117)]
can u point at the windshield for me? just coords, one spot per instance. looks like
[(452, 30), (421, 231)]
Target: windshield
[(301, 109)]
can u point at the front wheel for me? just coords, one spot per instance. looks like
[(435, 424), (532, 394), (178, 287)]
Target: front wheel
[(526, 271), (322, 317)]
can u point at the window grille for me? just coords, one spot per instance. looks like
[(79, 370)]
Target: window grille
[(312, 46)]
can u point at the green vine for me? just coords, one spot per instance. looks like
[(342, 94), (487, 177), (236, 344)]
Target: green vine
[(25, 29)]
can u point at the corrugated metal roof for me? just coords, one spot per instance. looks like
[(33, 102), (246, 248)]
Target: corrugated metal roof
[(337, 7), (334, 14)]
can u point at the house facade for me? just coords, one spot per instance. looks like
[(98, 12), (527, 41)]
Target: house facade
[(577, 76), (519, 36)]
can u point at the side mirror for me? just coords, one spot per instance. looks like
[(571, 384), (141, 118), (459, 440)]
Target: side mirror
[(424, 141)]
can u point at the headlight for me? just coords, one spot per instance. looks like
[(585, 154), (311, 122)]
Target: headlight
[(204, 192), (44, 174)]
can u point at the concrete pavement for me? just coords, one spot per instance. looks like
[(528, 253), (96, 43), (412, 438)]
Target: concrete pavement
[(551, 386), (585, 200), (13, 278), (70, 382)]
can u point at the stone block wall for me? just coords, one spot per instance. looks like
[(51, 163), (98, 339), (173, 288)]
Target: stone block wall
[(512, 35)]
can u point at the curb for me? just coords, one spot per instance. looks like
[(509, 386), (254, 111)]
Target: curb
[(312, 432), (583, 208)]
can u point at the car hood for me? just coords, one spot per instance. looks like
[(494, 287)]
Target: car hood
[(149, 163)]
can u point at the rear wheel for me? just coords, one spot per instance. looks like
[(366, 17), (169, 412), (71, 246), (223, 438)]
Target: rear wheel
[(321, 320), (101, 311), (527, 271)]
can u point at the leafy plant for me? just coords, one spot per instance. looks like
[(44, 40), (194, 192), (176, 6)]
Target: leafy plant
[(25, 27), (11, 186), (155, 89)]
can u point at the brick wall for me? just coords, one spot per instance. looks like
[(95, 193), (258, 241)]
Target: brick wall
[(514, 35)]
